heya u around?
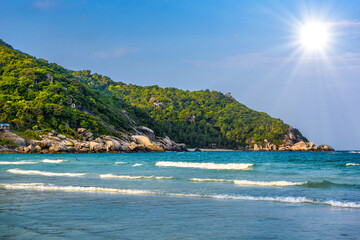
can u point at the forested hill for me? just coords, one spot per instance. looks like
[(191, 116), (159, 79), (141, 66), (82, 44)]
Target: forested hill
[(38, 95), (35, 94), (197, 118)]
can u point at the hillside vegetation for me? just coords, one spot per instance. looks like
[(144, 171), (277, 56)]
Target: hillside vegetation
[(35, 94)]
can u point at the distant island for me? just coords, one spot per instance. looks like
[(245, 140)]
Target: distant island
[(45, 108)]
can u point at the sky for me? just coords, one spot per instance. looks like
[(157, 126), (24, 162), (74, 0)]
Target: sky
[(251, 48)]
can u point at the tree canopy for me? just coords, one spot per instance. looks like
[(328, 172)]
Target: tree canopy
[(38, 95)]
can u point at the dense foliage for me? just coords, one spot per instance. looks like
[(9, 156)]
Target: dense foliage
[(197, 118), (38, 95)]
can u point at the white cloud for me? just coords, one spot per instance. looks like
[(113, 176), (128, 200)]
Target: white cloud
[(116, 52)]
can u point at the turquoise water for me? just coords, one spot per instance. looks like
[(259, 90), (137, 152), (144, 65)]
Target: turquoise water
[(215, 195)]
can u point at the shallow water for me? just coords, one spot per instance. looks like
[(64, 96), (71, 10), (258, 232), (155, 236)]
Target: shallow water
[(215, 195)]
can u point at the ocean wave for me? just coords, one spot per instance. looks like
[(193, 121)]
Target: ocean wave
[(261, 183), (308, 184), (249, 183), (218, 166), (16, 163), (354, 152), (36, 172), (209, 180), (133, 177), (52, 161), (137, 164), (118, 163), (48, 187), (297, 200), (352, 164), (327, 184)]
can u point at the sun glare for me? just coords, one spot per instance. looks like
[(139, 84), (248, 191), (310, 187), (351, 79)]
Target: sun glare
[(314, 36)]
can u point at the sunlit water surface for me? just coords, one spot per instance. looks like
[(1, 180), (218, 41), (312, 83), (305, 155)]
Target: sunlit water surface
[(193, 195)]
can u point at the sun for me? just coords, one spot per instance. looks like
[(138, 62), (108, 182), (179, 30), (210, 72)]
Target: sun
[(314, 36)]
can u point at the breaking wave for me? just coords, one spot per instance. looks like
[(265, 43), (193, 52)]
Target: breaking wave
[(118, 163), (273, 183), (352, 164), (17, 163), (48, 187), (219, 166), (308, 184), (249, 183), (36, 172), (133, 177), (137, 164), (52, 161)]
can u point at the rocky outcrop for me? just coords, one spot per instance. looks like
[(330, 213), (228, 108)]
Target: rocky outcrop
[(293, 141), (19, 141), (170, 145), (144, 141)]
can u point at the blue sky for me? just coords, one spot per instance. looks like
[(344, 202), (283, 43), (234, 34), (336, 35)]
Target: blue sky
[(248, 48)]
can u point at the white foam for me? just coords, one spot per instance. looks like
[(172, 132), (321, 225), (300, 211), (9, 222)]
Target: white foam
[(52, 161), (137, 164), (16, 163), (343, 204), (352, 164), (43, 187), (133, 177), (36, 172), (273, 184), (249, 183), (48, 187), (228, 166), (117, 163), (209, 180)]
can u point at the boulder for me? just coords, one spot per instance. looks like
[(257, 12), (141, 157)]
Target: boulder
[(62, 137), (81, 130), (68, 143), (37, 149), (147, 131), (136, 147), (299, 146), (88, 135), (19, 141), (58, 147), (45, 144), (325, 147), (145, 141), (256, 147), (282, 148), (95, 146), (109, 146), (26, 149)]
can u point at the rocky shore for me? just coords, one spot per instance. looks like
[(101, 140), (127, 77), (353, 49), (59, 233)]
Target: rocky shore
[(144, 140), (292, 142)]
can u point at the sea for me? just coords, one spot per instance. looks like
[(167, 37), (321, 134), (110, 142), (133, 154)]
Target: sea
[(181, 195)]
